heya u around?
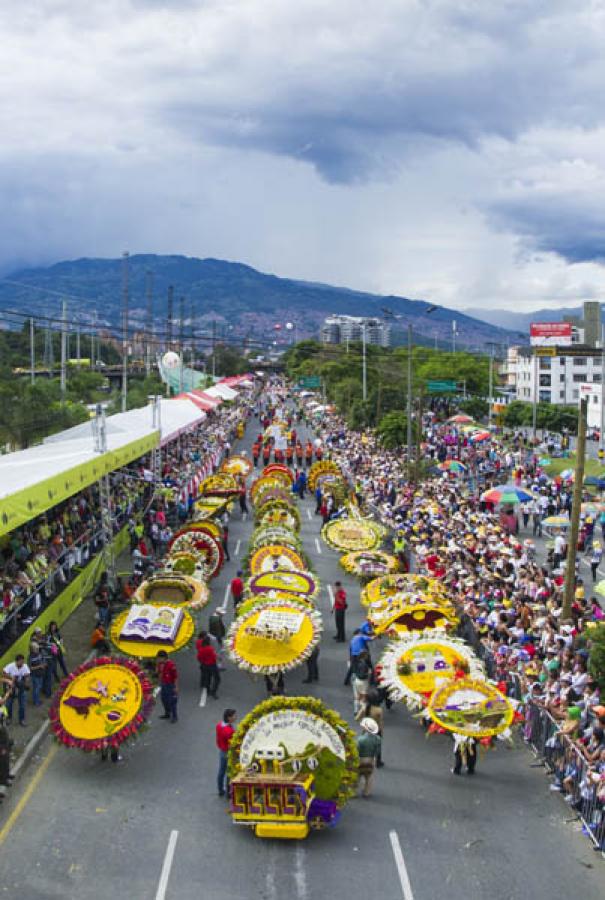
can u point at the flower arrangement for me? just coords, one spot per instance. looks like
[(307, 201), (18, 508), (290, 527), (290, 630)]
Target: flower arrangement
[(411, 668), (149, 649), (413, 613), (471, 707), (369, 563), (302, 583), (383, 587), (272, 493), (174, 588), (210, 505), (275, 556), (277, 470), (237, 465), (343, 788), (322, 467), (221, 484), (274, 636), (274, 534), (208, 550), (101, 704), (268, 482), (278, 512), (352, 534)]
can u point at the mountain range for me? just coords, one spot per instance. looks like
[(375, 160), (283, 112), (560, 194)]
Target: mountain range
[(520, 321), (237, 297)]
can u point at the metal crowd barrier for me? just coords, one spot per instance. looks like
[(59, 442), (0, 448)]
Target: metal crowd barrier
[(579, 782)]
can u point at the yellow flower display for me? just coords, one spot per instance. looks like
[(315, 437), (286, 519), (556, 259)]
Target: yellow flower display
[(383, 587), (237, 465), (149, 649), (275, 556), (471, 707), (352, 534), (274, 636)]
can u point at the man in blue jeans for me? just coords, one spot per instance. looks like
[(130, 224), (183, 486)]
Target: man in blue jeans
[(18, 672), (224, 732)]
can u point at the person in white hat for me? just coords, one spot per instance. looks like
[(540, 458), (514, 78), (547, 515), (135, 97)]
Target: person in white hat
[(368, 747)]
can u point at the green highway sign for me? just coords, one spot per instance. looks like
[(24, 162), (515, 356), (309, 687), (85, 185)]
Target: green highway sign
[(310, 382), (441, 387)]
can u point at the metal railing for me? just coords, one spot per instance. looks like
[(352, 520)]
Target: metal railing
[(579, 782)]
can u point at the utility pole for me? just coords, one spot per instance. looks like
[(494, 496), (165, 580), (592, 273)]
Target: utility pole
[(534, 408), (191, 333), (181, 342), (63, 380), (79, 361), (148, 321), (409, 403), (491, 385), (570, 568), (364, 370), (32, 351), (454, 333), (602, 428), (124, 330), (93, 348), (213, 349), (169, 318)]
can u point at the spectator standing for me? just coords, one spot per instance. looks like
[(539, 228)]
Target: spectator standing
[(225, 542), (169, 685), (224, 732), (57, 650), (19, 674), (206, 657), (312, 667)]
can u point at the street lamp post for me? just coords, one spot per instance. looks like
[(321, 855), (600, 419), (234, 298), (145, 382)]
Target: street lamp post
[(364, 373)]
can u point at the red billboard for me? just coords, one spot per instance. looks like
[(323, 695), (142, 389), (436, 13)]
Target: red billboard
[(550, 334)]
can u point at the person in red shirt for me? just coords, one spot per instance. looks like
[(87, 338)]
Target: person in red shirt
[(224, 732), (168, 677), (237, 589), (340, 606), (206, 657)]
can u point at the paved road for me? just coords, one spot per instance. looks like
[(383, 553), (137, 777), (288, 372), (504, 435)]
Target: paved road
[(90, 830)]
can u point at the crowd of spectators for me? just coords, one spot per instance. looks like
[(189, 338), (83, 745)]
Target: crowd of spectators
[(506, 582)]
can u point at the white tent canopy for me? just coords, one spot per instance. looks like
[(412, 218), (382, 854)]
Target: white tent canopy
[(176, 417), (221, 390)]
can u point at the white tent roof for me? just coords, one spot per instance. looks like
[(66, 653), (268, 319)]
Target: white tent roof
[(221, 390), (176, 417)]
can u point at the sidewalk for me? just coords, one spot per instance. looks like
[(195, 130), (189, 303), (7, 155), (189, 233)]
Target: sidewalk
[(76, 632)]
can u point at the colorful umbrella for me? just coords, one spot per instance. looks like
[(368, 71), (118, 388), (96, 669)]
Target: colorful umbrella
[(508, 494), (452, 465), (567, 475), (480, 436), (544, 461), (460, 419), (556, 522), (593, 509)]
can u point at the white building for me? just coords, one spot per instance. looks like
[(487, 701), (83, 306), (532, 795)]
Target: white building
[(339, 329), (553, 379)]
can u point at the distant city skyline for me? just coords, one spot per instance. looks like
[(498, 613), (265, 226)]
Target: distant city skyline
[(439, 151)]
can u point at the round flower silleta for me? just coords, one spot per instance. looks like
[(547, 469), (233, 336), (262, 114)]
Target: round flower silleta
[(101, 704), (274, 636)]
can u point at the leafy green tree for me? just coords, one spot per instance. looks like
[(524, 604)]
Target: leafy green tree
[(596, 660), (393, 429)]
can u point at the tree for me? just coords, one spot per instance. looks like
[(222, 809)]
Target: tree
[(393, 430), (596, 660), (475, 407)]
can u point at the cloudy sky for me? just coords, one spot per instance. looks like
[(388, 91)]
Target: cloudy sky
[(452, 150)]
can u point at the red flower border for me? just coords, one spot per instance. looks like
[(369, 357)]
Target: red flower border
[(119, 737)]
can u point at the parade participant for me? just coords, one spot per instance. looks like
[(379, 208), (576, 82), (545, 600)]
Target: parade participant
[(361, 670), (309, 454), (312, 667), (255, 453), (318, 500), (339, 610), (98, 641), (267, 453), (469, 757), (207, 659), (299, 454), (224, 732), (243, 506), (237, 588), (372, 709), (169, 685), (225, 542), (289, 454), (368, 748)]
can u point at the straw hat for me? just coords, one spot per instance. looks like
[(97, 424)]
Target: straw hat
[(369, 725)]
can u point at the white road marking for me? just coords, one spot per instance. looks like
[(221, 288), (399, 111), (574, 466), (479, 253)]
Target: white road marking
[(237, 546), (318, 545), (309, 515), (203, 697), (300, 876), (404, 878), (331, 594), (167, 865), (226, 598), (271, 888)]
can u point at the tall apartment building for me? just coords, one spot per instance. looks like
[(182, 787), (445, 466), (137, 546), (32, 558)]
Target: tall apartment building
[(338, 329)]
